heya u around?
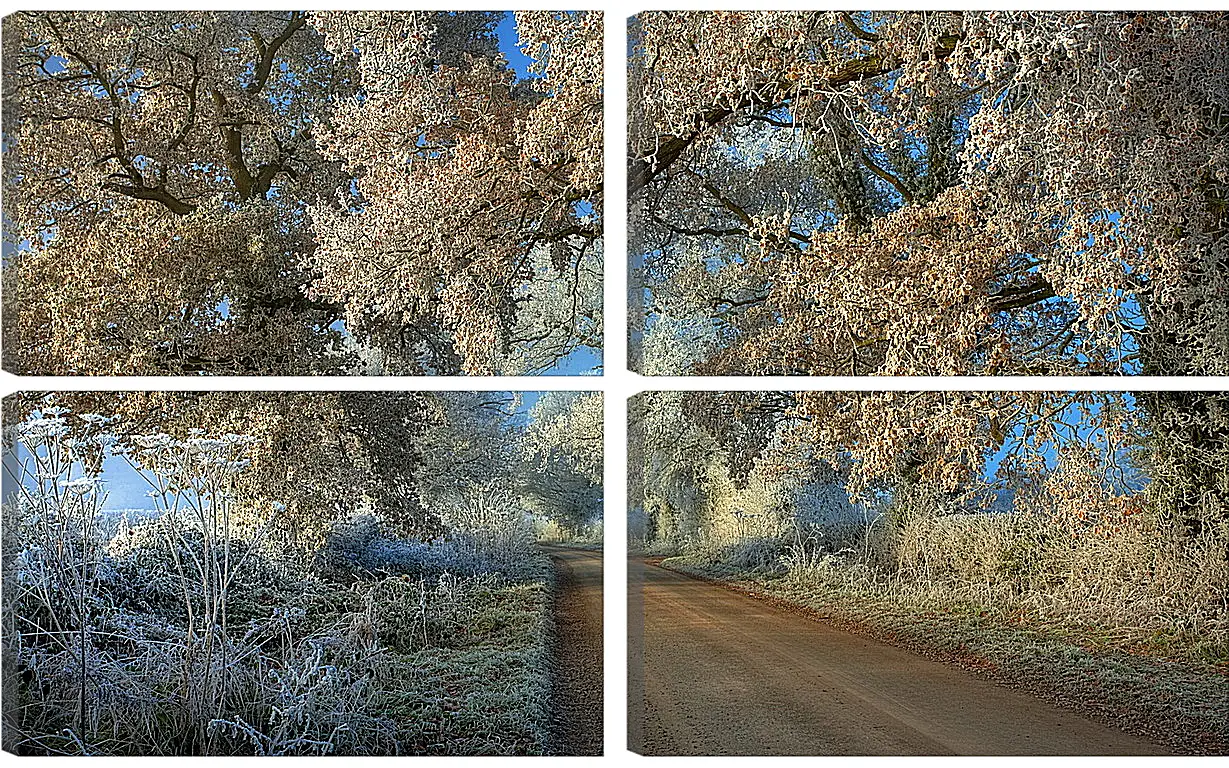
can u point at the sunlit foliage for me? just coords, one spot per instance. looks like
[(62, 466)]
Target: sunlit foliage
[(909, 193), (300, 192)]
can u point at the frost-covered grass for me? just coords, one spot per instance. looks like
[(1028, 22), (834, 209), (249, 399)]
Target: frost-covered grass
[(1137, 584), (482, 690), (434, 651)]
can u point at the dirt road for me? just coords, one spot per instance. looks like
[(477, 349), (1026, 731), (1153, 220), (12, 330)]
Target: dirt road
[(576, 722), (715, 672)]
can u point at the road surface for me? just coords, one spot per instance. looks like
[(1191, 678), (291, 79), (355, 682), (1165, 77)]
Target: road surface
[(714, 672), (576, 722)]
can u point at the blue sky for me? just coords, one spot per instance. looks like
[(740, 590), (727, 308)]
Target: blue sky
[(580, 362), (506, 32)]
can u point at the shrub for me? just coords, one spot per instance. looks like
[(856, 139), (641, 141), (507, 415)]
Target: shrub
[(358, 547), (490, 525), (1133, 572), (488, 539)]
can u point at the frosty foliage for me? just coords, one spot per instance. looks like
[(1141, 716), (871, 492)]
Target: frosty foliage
[(487, 531), (563, 461), (358, 547), (299, 192), (1061, 507), (492, 527), (912, 193), (677, 343), (463, 175), (558, 312), (244, 614)]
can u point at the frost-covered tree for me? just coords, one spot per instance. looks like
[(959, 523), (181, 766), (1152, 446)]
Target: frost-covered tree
[(318, 458), (829, 193), (924, 193), (561, 452), (668, 459), (468, 442), (290, 192), (498, 171), (1086, 459), (315, 457)]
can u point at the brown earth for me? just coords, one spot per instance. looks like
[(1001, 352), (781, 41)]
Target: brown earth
[(576, 690), (714, 672)]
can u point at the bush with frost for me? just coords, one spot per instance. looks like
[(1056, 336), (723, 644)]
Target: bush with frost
[(489, 524), (185, 632), (360, 548)]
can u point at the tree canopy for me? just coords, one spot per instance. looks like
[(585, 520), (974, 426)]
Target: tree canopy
[(562, 449), (920, 193), (704, 459), (301, 192), (318, 459)]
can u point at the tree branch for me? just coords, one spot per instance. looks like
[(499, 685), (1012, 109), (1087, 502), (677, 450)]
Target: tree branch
[(157, 194), (232, 141), (736, 303), (857, 31), (1021, 296), (896, 183), (190, 119), (642, 170), (268, 51)]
